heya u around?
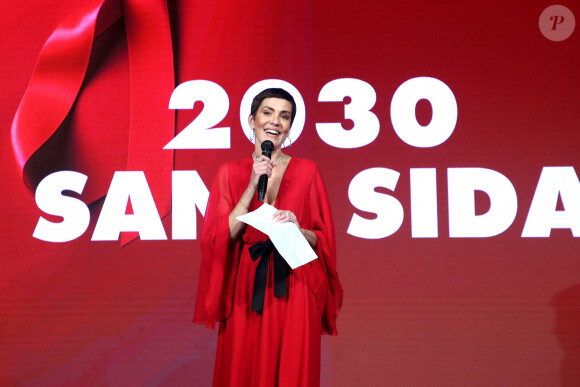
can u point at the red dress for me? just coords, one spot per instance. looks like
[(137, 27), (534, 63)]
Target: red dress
[(281, 346)]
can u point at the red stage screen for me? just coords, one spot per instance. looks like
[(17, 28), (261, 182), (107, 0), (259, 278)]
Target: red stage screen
[(446, 133)]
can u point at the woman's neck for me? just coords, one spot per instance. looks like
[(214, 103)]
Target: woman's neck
[(275, 157)]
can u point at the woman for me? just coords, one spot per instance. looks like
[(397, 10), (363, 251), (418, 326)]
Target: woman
[(272, 338)]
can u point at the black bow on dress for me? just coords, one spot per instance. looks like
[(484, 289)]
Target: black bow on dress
[(263, 250)]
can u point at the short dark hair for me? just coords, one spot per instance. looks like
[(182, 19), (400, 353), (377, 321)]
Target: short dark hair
[(273, 93)]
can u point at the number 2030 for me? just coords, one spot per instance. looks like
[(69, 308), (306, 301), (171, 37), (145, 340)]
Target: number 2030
[(203, 133)]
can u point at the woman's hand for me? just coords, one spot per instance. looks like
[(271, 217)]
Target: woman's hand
[(262, 167), (286, 216)]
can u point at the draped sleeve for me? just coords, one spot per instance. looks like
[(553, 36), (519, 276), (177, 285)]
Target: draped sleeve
[(322, 225), (219, 257)]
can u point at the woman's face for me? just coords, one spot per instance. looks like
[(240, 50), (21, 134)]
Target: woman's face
[(272, 121)]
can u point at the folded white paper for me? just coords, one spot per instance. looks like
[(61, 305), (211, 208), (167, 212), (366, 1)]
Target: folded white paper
[(287, 238)]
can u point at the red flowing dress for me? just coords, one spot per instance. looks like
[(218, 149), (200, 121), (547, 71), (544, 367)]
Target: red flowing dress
[(281, 345)]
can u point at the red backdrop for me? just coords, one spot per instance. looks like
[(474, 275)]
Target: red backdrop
[(443, 310)]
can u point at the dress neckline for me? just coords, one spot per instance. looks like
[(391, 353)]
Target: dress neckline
[(283, 184), (281, 189)]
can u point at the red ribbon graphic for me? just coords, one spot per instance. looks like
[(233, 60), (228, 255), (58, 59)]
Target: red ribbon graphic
[(39, 137)]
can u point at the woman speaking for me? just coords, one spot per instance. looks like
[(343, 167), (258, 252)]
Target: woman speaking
[(270, 316)]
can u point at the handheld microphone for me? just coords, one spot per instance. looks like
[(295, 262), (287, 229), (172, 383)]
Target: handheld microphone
[(267, 148)]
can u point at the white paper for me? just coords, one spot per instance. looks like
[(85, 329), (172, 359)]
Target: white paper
[(287, 238)]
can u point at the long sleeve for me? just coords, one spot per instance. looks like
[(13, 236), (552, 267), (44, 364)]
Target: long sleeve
[(219, 257), (322, 225)]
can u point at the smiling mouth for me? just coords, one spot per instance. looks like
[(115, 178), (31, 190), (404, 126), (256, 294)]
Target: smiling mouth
[(270, 131)]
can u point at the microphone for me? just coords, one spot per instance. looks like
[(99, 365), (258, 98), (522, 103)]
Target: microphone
[(267, 148)]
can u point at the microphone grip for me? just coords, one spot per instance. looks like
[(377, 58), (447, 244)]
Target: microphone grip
[(262, 186), (267, 148)]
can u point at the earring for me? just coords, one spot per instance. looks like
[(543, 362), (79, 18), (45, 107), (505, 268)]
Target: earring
[(289, 140), (252, 135)]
